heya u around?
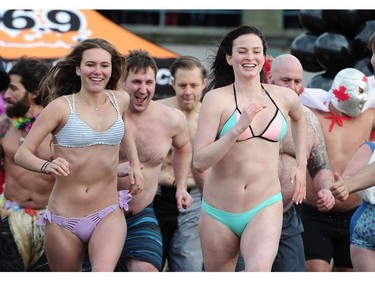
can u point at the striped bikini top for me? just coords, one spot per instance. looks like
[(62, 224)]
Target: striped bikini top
[(77, 133), (274, 132)]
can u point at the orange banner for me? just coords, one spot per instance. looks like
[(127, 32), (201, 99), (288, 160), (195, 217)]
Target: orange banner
[(49, 34)]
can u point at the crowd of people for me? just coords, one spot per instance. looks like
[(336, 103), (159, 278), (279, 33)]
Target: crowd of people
[(243, 169)]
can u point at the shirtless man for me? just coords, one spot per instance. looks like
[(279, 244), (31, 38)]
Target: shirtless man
[(25, 192), (286, 71), (156, 129), (179, 227), (345, 127)]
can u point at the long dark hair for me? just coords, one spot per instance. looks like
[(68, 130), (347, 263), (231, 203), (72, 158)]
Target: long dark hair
[(221, 72)]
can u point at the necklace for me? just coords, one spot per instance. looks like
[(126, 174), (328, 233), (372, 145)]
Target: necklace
[(23, 123), (96, 108)]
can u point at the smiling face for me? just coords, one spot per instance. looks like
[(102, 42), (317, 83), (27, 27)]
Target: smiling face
[(140, 86), (95, 70), (247, 55)]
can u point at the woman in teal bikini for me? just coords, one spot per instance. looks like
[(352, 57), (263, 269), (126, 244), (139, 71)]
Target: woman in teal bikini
[(240, 125)]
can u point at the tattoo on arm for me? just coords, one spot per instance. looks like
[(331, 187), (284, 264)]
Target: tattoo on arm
[(318, 159)]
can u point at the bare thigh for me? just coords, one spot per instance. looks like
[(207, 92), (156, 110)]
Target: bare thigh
[(107, 241), (363, 259), (220, 246), (260, 239), (64, 249)]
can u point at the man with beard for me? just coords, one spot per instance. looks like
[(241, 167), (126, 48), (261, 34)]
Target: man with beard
[(25, 193)]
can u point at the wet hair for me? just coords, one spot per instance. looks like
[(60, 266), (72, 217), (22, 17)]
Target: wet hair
[(62, 79), (140, 60), (221, 72), (32, 71), (188, 62)]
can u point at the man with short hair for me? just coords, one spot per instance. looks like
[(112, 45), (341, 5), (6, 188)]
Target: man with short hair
[(156, 128), (179, 226), (25, 193)]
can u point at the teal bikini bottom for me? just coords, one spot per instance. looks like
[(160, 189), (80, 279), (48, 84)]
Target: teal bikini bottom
[(237, 222)]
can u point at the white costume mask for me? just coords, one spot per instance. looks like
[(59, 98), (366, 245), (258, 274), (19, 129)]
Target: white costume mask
[(349, 91)]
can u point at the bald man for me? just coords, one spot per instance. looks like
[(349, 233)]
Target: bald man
[(286, 71)]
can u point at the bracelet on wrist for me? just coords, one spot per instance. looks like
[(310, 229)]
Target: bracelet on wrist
[(44, 166)]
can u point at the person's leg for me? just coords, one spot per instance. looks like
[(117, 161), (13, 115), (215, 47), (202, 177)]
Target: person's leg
[(316, 239), (64, 249), (362, 229), (341, 237), (291, 255), (219, 244), (166, 211), (363, 259), (143, 248), (107, 242), (185, 250), (260, 239)]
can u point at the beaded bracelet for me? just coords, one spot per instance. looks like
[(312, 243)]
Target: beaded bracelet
[(44, 166)]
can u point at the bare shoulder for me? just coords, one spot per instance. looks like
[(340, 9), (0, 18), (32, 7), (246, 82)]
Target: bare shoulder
[(218, 99), (122, 98), (171, 117), (121, 95), (219, 93), (369, 112), (312, 120), (284, 92), (168, 111), (59, 105), (309, 113), (283, 96), (171, 101)]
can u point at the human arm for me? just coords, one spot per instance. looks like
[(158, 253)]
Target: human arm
[(49, 119), (299, 133), (358, 174), (124, 168), (318, 164), (181, 161), (199, 178), (128, 146)]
